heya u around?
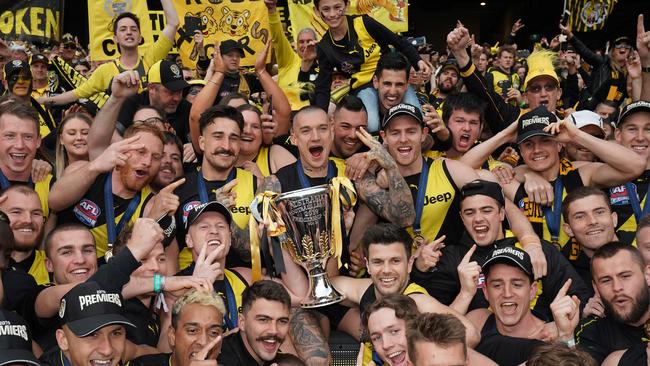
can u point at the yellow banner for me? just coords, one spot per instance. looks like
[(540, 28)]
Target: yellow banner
[(245, 21), (393, 14), (100, 21)]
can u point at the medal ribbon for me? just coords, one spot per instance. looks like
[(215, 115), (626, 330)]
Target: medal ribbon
[(419, 201), (553, 215), (111, 230), (203, 190), (639, 211)]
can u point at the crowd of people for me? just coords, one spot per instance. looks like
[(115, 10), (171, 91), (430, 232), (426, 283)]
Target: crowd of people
[(494, 200)]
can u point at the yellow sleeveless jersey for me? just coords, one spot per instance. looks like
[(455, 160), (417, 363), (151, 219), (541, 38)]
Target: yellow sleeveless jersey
[(38, 270), (263, 160), (372, 52), (500, 80), (439, 195), (42, 188), (99, 232), (571, 180), (238, 287)]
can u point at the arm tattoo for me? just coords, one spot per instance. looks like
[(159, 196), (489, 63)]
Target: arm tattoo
[(241, 242), (394, 204), (308, 338)]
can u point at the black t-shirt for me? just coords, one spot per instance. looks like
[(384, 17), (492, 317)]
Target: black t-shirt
[(158, 359), (504, 350), (443, 282), (635, 356), (231, 84), (600, 337), (179, 120), (147, 324), (234, 353)]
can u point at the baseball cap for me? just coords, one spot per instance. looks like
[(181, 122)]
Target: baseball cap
[(623, 40), (39, 57), (485, 188), (169, 74), (448, 64), (87, 308), (585, 118), (541, 63), (15, 340), (533, 123), (509, 255), (229, 45), (630, 109), (403, 108), (17, 66), (212, 206), (67, 38)]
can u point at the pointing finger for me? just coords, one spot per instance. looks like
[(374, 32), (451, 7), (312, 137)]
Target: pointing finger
[(203, 353), (171, 187), (229, 186), (469, 253), (564, 289), (640, 28)]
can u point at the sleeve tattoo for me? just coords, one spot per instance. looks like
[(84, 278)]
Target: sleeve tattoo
[(394, 204)]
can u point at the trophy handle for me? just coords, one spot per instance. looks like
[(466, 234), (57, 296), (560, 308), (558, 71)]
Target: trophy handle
[(255, 210)]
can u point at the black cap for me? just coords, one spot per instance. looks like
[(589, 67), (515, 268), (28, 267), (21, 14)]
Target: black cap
[(15, 340), (485, 188), (509, 255), (168, 74), (403, 108), (39, 57), (533, 123), (87, 308), (630, 109), (229, 45), (16, 66), (448, 64), (623, 40), (212, 206)]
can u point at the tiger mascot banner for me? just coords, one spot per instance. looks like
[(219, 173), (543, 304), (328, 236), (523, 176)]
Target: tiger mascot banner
[(245, 21)]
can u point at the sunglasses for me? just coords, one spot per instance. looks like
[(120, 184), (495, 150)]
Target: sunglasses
[(538, 88), (149, 121), (70, 46)]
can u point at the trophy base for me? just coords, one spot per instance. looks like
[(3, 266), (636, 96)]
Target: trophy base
[(321, 292)]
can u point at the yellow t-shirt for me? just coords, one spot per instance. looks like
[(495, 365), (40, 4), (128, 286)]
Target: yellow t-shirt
[(100, 80)]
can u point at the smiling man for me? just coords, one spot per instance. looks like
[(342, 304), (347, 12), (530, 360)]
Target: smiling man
[(264, 325), (93, 330), (197, 321)]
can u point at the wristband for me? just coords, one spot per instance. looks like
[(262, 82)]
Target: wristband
[(212, 81), (527, 240), (156, 283), (645, 69), (162, 283)]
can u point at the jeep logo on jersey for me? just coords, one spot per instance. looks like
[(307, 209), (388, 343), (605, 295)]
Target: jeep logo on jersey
[(189, 207), (444, 197), (87, 212)]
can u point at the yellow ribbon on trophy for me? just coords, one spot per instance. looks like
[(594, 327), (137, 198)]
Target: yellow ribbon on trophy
[(342, 190), (275, 228)]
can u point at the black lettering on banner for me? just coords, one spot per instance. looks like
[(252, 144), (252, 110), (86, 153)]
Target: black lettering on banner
[(35, 20)]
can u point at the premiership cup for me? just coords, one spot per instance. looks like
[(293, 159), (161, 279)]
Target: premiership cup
[(308, 239)]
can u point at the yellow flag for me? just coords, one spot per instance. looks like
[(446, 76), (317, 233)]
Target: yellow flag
[(243, 21), (589, 15), (393, 14), (100, 26)]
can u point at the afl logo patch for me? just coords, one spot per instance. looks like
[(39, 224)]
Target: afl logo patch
[(619, 196), (87, 212), (187, 208)]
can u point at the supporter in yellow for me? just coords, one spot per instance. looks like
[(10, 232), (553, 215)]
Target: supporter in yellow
[(40, 80), (126, 30), (23, 208), (297, 71)]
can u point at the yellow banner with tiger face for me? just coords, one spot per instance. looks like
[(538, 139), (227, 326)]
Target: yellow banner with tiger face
[(393, 14), (245, 21)]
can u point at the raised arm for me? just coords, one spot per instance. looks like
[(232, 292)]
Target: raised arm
[(281, 106), (206, 97), (394, 203), (619, 164), (171, 19), (79, 176), (643, 47), (478, 154), (123, 86)]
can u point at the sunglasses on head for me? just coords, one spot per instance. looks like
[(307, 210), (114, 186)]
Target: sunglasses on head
[(149, 121)]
